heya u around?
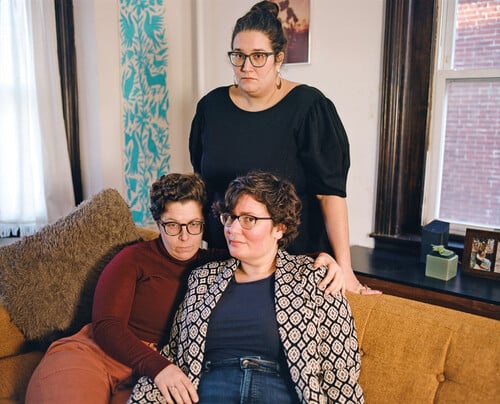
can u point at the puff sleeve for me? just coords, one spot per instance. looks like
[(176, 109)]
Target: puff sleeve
[(324, 149)]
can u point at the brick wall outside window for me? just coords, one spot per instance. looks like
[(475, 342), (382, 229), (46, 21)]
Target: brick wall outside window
[(470, 191)]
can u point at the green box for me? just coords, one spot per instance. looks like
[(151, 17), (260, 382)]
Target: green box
[(443, 268)]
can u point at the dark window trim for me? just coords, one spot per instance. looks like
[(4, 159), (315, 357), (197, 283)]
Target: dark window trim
[(69, 88), (408, 58)]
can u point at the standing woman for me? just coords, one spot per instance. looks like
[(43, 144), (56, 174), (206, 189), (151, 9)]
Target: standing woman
[(269, 123)]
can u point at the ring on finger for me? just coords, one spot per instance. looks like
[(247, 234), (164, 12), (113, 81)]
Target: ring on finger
[(362, 288)]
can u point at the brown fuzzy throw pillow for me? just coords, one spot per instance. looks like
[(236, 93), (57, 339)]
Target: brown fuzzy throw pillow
[(47, 280)]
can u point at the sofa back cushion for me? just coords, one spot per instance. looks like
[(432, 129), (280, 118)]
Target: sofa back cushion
[(47, 279)]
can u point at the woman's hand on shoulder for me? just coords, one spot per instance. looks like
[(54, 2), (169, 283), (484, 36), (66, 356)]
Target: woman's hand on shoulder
[(176, 386), (334, 280)]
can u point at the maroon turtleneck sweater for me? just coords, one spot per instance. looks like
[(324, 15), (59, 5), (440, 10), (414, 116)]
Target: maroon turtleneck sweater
[(135, 300)]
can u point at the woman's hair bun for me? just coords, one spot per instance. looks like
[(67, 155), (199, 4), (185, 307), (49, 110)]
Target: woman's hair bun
[(263, 17), (267, 6)]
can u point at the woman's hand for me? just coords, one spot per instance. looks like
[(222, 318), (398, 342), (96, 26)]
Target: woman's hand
[(363, 289), (334, 280), (176, 386)]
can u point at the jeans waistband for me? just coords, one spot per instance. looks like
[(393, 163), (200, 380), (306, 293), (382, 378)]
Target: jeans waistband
[(245, 362)]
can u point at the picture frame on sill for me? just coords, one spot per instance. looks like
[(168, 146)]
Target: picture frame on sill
[(481, 254)]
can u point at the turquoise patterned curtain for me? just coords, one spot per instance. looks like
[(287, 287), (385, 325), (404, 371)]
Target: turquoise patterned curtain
[(145, 100)]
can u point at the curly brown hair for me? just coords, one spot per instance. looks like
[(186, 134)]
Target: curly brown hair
[(278, 195), (175, 188)]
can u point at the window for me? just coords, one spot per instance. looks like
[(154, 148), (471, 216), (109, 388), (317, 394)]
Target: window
[(463, 168), (405, 167), (35, 174), (22, 199)]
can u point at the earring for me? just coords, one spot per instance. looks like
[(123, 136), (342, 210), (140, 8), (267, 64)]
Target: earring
[(235, 82), (278, 85)]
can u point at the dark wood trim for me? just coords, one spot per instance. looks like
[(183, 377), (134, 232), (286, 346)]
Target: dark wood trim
[(408, 54), (428, 296), (69, 88)]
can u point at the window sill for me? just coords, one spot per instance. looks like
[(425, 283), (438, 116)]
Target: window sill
[(401, 274)]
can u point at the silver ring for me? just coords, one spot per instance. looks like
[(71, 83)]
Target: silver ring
[(363, 288)]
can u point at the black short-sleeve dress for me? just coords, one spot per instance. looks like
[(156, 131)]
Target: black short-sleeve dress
[(301, 138)]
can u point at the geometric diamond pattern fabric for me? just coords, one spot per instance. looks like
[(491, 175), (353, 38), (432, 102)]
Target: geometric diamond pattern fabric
[(317, 331)]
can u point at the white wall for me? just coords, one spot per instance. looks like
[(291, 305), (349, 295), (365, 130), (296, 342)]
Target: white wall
[(98, 67), (346, 53), (181, 79)]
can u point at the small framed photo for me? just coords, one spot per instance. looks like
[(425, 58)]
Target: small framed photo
[(481, 253), (295, 19)]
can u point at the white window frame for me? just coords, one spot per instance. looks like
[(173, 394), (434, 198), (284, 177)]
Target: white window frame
[(443, 73)]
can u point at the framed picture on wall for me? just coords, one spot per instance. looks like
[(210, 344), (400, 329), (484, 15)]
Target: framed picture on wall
[(295, 16), (481, 253)]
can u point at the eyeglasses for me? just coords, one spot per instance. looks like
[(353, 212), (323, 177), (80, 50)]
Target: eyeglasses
[(173, 228), (246, 221), (257, 59)]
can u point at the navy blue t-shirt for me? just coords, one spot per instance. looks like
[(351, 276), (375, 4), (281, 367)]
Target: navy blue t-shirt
[(244, 323)]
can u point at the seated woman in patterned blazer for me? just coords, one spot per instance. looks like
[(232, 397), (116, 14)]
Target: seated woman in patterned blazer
[(256, 328)]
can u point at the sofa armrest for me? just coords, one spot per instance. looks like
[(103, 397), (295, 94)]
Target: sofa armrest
[(17, 360), (12, 341)]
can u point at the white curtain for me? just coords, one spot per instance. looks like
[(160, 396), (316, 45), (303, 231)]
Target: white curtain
[(35, 174)]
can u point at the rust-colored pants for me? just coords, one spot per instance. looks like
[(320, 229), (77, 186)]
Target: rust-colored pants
[(75, 370)]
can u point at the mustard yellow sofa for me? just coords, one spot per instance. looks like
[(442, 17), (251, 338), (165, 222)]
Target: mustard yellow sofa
[(412, 352)]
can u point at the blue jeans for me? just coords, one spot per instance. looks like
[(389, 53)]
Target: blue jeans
[(248, 380)]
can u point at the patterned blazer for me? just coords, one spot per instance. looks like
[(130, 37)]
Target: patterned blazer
[(317, 331)]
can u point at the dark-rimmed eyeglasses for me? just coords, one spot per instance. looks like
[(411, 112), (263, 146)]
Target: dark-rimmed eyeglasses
[(257, 59), (173, 228), (247, 222)]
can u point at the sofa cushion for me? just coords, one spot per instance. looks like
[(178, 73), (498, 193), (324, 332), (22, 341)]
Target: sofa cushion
[(16, 372), (413, 352), (12, 341), (47, 279)]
